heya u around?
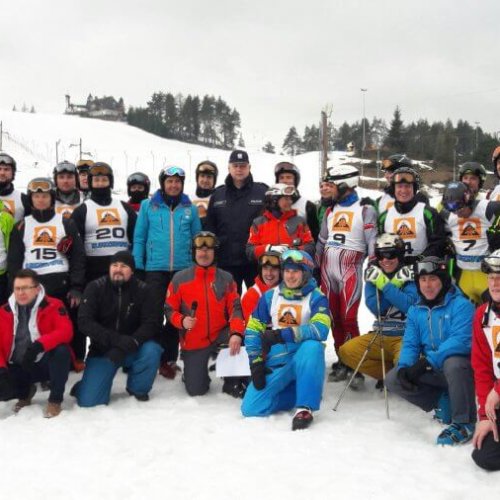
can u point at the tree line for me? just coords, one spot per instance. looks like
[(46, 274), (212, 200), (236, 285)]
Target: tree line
[(440, 142), (208, 121)]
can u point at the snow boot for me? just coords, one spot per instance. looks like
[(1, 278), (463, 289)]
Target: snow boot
[(22, 403), (443, 411), (302, 419), (456, 434), (338, 373), (139, 397), (358, 381)]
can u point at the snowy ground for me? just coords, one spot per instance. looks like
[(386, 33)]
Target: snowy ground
[(201, 448)]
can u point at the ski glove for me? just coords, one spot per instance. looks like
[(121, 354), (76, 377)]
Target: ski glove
[(65, 244), (30, 355), (127, 344), (409, 375), (116, 356), (375, 276), (404, 275), (258, 373), (277, 248)]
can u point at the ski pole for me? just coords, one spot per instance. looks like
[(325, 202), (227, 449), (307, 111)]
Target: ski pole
[(382, 354)]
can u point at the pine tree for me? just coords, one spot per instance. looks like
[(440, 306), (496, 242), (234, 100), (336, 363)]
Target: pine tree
[(395, 140), (269, 148), (14, 108), (32, 110), (310, 141), (241, 142), (292, 143)]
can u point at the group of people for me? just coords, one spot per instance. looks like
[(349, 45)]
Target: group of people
[(142, 278)]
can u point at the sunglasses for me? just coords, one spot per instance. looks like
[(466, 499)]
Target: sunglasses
[(170, 171), (269, 260), (43, 186), (386, 254), (404, 178), (204, 241)]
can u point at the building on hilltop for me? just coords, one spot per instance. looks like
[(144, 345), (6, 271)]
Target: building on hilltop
[(105, 108)]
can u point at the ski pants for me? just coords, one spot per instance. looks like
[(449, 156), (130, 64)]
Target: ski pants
[(456, 377), (488, 457), (298, 383), (342, 283), (95, 387), (473, 284), (53, 366), (353, 350)]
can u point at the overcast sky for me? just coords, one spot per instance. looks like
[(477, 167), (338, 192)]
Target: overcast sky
[(278, 62)]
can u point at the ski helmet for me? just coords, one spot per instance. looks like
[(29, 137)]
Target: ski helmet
[(435, 266), (491, 263), (302, 260), (405, 175), (6, 159), (208, 168), (139, 178), (274, 193), (390, 246), (345, 177), (64, 167), (287, 167), (473, 168), (42, 185), (495, 157), (100, 168), (396, 161), (205, 239), (269, 258), (171, 172), (84, 165), (457, 195)]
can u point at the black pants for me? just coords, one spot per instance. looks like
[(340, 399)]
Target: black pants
[(54, 367), (488, 457), (245, 273), (4, 289), (168, 337)]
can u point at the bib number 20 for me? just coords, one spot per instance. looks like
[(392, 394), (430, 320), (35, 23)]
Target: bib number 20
[(106, 233)]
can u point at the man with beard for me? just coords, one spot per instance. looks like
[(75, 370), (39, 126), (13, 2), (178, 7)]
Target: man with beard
[(16, 202), (118, 315)]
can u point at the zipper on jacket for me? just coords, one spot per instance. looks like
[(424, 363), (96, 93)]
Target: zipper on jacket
[(171, 240), (207, 305), (119, 309)]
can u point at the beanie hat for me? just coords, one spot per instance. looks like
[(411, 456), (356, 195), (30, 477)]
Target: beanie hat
[(125, 257)]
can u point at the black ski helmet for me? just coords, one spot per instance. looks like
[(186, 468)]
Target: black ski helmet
[(435, 266), (287, 167), (6, 159), (65, 167), (205, 239), (405, 175), (101, 168), (269, 258), (473, 168), (171, 172), (207, 167), (396, 161), (139, 178), (457, 195), (42, 185)]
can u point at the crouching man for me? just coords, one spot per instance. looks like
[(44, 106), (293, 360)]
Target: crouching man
[(287, 361), (120, 317), (35, 332), (435, 358), (203, 303)]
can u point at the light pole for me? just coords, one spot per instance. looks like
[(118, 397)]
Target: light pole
[(477, 125), (363, 147)]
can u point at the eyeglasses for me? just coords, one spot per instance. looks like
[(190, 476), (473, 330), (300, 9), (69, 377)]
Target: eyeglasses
[(403, 178), (100, 169), (42, 185), (428, 267), (204, 241), (269, 260), (24, 288), (7, 160), (170, 171), (387, 254)]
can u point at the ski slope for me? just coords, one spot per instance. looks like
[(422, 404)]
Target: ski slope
[(179, 447)]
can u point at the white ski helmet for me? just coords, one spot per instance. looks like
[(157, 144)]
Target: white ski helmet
[(344, 177), (275, 192), (389, 243)]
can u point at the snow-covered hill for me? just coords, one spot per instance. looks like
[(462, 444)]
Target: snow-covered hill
[(201, 448)]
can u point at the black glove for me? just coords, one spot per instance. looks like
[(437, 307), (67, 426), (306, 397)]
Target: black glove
[(116, 356), (127, 344), (258, 373), (405, 382), (409, 376), (30, 355), (271, 337)]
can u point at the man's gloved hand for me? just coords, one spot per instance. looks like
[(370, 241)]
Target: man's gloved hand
[(405, 382), (65, 244), (376, 276), (277, 248), (116, 356), (409, 375), (74, 297), (30, 355), (127, 344), (258, 373), (404, 275)]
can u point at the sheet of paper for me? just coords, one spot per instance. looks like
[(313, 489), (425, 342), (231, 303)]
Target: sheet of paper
[(232, 366)]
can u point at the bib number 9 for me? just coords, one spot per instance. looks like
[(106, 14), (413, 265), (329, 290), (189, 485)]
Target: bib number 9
[(339, 237)]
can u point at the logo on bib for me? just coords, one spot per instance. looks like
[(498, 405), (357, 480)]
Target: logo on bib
[(495, 333), (45, 236), (108, 217), (469, 229), (342, 221), (10, 206), (289, 315), (404, 227), (65, 211)]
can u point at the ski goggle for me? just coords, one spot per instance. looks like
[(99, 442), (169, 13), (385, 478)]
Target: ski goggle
[(403, 178), (390, 253), (68, 167), (204, 240), (84, 165), (491, 264), (7, 160), (282, 191), (41, 185), (388, 164), (453, 206), (422, 268), (296, 257), (206, 168), (171, 171), (100, 169), (269, 260)]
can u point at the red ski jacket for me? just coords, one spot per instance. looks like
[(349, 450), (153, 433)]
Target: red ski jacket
[(218, 305), (251, 298)]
